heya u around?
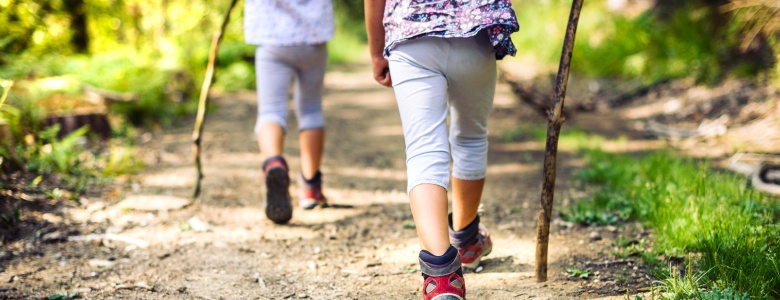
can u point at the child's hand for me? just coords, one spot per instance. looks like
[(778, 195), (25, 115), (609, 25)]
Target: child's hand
[(381, 71)]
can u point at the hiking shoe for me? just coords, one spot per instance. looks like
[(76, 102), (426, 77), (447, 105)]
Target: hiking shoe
[(471, 255), (443, 282), (310, 192), (472, 242), (277, 184)]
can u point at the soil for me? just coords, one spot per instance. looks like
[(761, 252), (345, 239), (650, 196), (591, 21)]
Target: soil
[(221, 246)]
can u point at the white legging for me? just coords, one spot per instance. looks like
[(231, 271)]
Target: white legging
[(428, 73), (275, 68)]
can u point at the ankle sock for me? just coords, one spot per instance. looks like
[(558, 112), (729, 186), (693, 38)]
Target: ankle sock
[(465, 236), (274, 160), (316, 180), (444, 259)]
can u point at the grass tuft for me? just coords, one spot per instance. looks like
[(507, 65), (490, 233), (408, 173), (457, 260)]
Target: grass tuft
[(693, 210)]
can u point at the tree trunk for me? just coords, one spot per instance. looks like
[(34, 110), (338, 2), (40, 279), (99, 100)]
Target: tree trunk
[(96, 120), (77, 10)]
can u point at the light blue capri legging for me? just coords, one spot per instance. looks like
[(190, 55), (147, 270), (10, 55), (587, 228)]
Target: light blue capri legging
[(428, 74), (275, 68)]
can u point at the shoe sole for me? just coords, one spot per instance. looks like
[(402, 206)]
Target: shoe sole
[(278, 207), (447, 297), (308, 204), (474, 264)]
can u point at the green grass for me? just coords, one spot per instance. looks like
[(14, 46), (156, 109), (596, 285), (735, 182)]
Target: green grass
[(692, 208)]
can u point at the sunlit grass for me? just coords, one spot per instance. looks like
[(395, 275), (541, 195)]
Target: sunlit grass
[(693, 209)]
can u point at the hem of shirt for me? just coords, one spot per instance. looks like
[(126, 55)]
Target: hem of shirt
[(474, 31)]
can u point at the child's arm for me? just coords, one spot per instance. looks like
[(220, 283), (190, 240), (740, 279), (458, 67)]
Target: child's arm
[(375, 11)]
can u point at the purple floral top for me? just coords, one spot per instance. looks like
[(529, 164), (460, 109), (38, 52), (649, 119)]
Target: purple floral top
[(410, 19)]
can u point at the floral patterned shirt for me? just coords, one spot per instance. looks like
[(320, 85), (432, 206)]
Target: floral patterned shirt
[(410, 19), (288, 22)]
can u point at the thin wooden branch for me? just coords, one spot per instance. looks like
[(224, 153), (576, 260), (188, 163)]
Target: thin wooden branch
[(524, 94), (203, 101), (554, 122)]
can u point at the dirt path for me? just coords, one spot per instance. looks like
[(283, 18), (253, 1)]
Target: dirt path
[(361, 250)]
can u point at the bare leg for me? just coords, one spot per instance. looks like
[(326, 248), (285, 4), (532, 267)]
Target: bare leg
[(271, 140), (466, 195), (312, 144), (429, 209)]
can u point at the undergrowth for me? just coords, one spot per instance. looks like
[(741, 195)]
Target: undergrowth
[(639, 42), (724, 228)]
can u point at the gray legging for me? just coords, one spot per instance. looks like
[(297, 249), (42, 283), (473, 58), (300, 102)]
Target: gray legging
[(429, 74), (275, 68)]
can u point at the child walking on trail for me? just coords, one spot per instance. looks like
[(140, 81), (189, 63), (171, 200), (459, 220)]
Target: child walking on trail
[(439, 55), (290, 38)]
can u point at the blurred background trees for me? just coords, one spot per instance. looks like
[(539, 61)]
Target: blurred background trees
[(155, 51)]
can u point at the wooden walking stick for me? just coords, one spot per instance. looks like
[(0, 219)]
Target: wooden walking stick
[(204, 96), (554, 122)]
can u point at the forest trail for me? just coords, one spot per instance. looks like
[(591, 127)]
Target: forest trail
[(223, 247)]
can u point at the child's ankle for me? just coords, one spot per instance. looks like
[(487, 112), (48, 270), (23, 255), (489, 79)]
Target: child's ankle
[(448, 260), (274, 161), (314, 180), (466, 236)]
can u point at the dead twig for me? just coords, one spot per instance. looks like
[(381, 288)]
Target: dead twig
[(204, 94), (554, 123), (523, 93)]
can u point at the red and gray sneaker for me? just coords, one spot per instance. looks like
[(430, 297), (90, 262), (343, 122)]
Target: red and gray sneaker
[(277, 183), (471, 255), (310, 192), (443, 282), (473, 248)]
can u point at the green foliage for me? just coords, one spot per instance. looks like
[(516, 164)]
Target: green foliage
[(119, 160), (693, 40), (41, 151), (693, 208), (599, 210), (51, 155), (626, 248), (574, 271), (726, 294)]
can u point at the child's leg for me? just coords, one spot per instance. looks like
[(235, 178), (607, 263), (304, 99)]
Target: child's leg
[(310, 63), (429, 210), (308, 102), (466, 196), (312, 143), (421, 92), (472, 75), (273, 81)]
